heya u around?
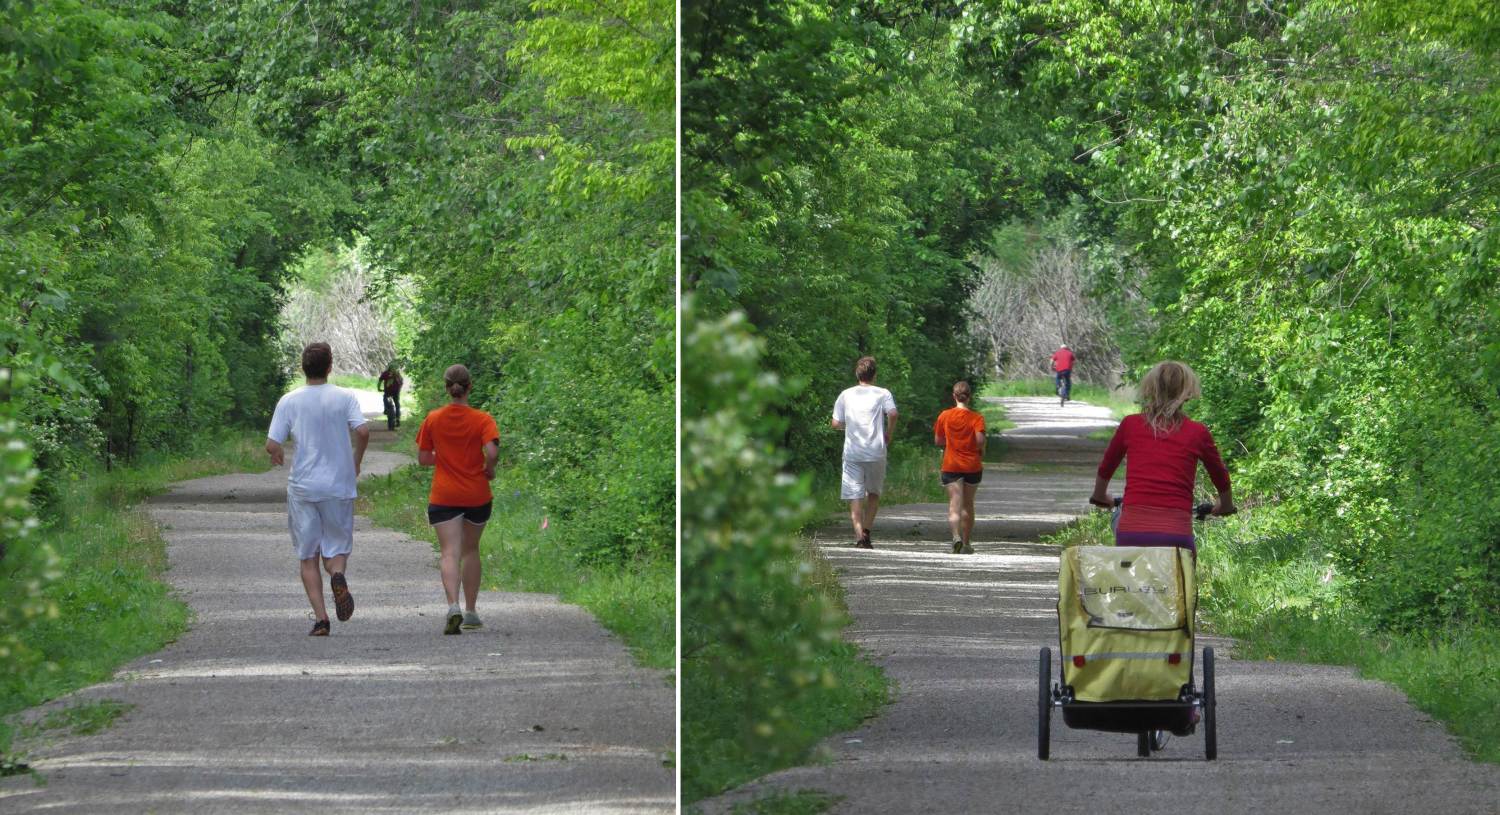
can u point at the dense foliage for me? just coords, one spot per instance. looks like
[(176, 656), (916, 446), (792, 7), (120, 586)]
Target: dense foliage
[(515, 160), (836, 172), (1313, 189), (142, 241), (1296, 198), (143, 237), (759, 686), (169, 167)]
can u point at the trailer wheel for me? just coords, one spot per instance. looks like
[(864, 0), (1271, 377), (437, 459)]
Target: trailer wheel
[(1210, 715), (1044, 704)]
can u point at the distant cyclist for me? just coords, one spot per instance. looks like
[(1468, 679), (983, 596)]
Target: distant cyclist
[(1161, 448), (1062, 363), (959, 430), (390, 385)]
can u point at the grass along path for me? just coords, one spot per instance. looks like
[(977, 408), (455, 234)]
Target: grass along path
[(112, 601), (855, 689)]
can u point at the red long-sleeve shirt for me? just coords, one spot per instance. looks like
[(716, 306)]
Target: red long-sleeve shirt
[(1062, 360), (1160, 467)]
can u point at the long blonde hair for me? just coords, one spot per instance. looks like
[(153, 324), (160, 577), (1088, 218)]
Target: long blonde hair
[(1166, 388)]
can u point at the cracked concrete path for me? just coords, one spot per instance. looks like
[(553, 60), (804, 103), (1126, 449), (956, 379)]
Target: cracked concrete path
[(960, 637), (541, 711)]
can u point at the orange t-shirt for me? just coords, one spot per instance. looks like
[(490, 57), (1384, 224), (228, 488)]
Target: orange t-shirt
[(458, 434), (957, 426)]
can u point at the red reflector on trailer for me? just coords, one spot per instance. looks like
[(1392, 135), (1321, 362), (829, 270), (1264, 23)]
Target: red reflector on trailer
[(1173, 659), (1077, 662)]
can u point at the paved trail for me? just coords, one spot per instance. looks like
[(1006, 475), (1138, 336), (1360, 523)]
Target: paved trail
[(960, 634), (542, 711)]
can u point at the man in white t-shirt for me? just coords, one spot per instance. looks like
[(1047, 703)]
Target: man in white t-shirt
[(867, 415), (320, 491)]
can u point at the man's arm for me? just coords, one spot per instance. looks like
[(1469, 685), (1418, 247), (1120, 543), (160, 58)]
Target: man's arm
[(981, 439), (890, 426), (361, 441), (279, 431)]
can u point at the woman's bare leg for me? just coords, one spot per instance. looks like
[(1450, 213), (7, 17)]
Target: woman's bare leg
[(450, 541), (471, 563), (970, 490), (955, 508)]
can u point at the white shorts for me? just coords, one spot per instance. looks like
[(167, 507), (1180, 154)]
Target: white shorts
[(321, 527), (862, 478)]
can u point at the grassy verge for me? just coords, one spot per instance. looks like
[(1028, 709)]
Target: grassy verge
[(1121, 403), (637, 602), (1269, 586), (801, 802), (995, 420), (111, 600), (355, 381), (854, 691)]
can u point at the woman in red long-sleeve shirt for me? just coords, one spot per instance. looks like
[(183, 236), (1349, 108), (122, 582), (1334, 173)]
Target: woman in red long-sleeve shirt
[(1161, 448)]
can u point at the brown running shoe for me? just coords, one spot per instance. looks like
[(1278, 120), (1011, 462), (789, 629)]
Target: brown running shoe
[(320, 629), (343, 601)]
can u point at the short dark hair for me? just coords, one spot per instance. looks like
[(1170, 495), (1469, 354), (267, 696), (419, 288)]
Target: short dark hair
[(864, 370), (317, 360)]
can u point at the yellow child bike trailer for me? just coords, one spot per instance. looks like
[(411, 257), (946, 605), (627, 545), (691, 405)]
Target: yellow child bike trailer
[(1125, 623)]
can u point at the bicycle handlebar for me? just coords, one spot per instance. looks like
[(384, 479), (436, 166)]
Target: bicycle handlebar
[(1200, 512)]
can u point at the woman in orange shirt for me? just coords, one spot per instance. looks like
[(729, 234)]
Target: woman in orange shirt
[(463, 444), (960, 432)]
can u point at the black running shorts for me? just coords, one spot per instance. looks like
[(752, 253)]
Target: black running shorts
[(437, 513), (969, 478)]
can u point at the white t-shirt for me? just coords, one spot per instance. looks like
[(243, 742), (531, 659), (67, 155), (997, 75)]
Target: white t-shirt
[(319, 418), (862, 410)]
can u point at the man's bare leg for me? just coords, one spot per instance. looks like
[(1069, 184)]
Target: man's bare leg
[(336, 564), (312, 583), (857, 517), (872, 503)]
